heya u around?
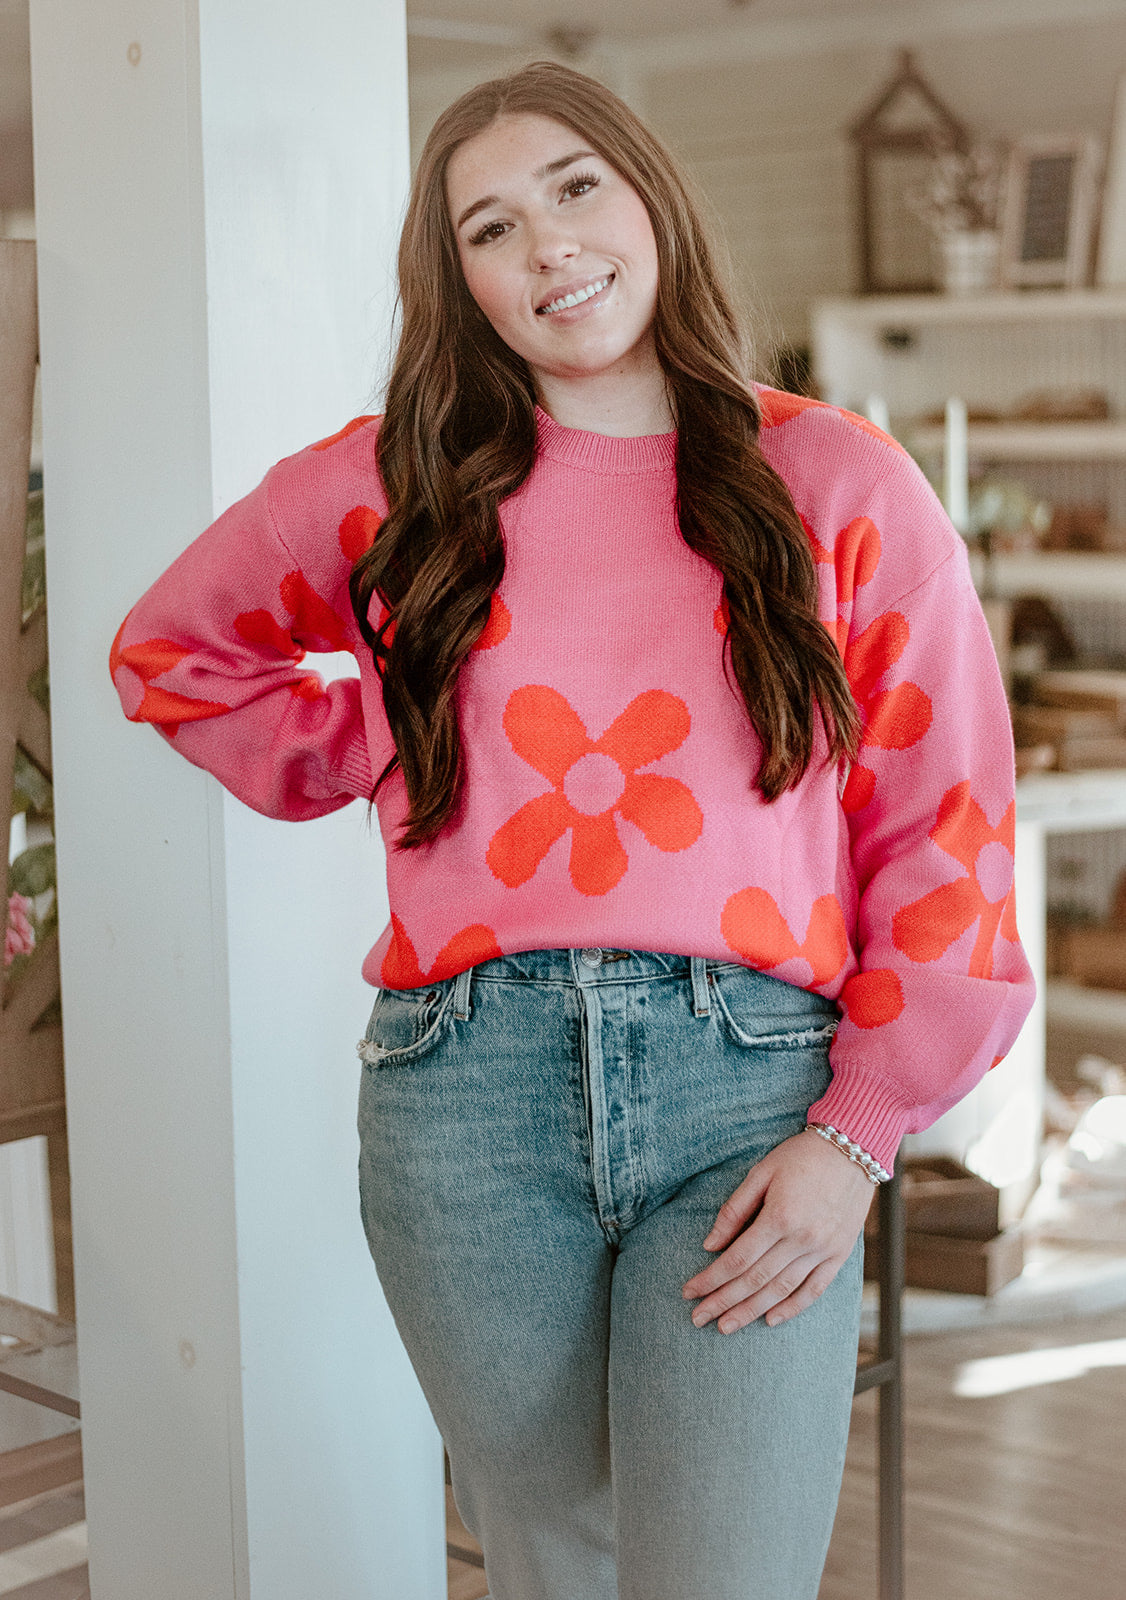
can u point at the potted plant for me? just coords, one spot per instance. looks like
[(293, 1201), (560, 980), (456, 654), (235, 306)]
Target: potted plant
[(960, 202)]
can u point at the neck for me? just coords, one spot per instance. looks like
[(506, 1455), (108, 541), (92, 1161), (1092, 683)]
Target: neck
[(625, 405)]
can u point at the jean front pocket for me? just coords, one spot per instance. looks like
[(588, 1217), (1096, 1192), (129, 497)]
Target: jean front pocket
[(763, 1013), (405, 1024)]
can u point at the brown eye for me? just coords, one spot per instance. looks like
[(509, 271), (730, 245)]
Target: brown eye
[(580, 183), (491, 230)]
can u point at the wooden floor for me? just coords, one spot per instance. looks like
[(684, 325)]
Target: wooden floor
[(30, 1527), (1019, 1495)]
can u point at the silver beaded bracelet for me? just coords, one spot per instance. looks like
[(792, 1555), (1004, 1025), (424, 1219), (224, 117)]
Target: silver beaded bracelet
[(867, 1163)]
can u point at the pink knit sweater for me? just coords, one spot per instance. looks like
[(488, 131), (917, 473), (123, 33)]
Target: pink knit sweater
[(610, 766)]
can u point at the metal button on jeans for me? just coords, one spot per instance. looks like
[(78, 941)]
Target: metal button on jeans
[(591, 958)]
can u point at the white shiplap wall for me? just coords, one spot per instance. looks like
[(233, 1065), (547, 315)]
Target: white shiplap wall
[(768, 138)]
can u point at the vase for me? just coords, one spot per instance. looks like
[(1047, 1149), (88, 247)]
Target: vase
[(970, 261)]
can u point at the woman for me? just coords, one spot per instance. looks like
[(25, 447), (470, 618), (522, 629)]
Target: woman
[(693, 765)]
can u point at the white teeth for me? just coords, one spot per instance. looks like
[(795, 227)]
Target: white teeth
[(576, 299)]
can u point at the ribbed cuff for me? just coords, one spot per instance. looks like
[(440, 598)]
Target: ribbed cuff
[(866, 1107), (355, 769)]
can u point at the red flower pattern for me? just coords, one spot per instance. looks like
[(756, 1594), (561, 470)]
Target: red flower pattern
[(497, 625), (357, 535), (927, 927), (872, 998), (400, 967), (592, 780), (754, 927), (334, 438), (309, 616), (777, 408), (134, 666), (854, 556), (357, 531), (895, 718)]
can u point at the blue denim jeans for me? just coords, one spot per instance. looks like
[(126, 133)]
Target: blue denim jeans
[(545, 1142)]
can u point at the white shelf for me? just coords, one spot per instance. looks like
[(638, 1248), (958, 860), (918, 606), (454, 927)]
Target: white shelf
[(1031, 441), (1034, 305), (1072, 802), (1074, 1004), (1065, 574)]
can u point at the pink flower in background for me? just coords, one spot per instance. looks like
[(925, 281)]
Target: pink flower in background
[(19, 936)]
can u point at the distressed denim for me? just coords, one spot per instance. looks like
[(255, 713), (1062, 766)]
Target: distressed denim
[(544, 1144)]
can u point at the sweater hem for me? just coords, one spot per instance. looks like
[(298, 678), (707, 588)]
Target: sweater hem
[(865, 1107)]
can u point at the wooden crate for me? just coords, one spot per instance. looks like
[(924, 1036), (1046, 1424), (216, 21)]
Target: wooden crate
[(1054, 724), (953, 1236), (1084, 690), (959, 1266), (940, 1195), (1093, 956)]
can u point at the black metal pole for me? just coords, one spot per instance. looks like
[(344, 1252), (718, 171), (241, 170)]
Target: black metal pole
[(892, 1250)]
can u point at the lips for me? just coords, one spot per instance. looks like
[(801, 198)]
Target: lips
[(568, 295)]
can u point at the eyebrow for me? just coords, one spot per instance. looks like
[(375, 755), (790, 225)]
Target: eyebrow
[(539, 175)]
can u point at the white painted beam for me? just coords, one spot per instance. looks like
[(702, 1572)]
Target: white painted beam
[(219, 185)]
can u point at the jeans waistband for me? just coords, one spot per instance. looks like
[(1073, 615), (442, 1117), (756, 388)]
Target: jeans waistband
[(588, 967)]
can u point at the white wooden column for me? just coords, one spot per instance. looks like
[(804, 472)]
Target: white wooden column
[(218, 190)]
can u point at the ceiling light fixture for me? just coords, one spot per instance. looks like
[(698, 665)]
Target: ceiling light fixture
[(571, 42)]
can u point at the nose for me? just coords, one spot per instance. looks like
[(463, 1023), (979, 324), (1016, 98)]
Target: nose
[(550, 245)]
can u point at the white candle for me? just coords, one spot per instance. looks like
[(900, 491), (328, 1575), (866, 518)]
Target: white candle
[(956, 480), (876, 408)]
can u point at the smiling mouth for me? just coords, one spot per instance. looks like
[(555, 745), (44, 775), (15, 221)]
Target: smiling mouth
[(566, 301)]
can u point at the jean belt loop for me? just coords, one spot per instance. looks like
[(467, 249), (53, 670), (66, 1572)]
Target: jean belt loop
[(701, 1000), (461, 995)]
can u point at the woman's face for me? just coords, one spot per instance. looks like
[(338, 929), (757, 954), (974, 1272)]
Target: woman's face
[(540, 219)]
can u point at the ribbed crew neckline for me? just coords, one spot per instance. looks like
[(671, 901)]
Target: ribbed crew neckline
[(603, 452)]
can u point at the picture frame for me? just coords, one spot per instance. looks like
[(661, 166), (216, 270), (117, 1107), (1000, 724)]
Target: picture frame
[(1111, 271), (1049, 213)]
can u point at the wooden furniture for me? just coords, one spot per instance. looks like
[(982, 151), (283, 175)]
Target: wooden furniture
[(31, 1050), (37, 1363), (31, 1042)]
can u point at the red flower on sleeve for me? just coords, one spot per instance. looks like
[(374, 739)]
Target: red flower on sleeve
[(872, 998), (342, 433), (778, 407), (927, 927), (312, 622), (135, 666), (357, 531), (895, 718)]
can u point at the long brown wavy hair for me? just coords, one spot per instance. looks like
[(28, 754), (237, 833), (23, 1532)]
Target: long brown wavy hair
[(459, 436)]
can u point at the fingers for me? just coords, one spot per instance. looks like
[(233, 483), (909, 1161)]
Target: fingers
[(804, 1296), (758, 1251), (737, 1210), (776, 1277), (781, 1236)]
